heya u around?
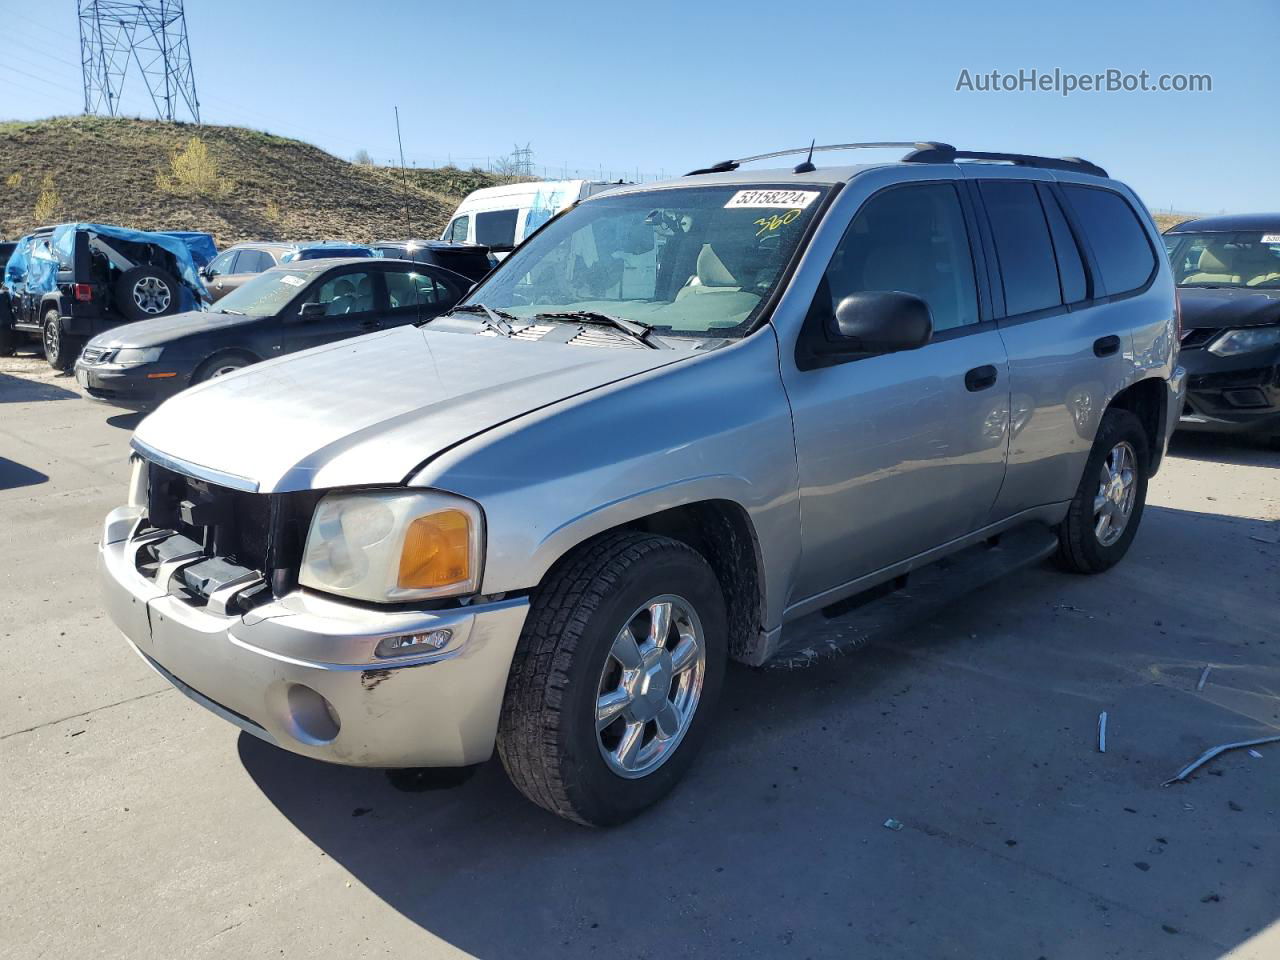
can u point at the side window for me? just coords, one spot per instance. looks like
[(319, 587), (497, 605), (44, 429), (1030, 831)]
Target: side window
[(345, 294), (1120, 245), (1070, 264), (911, 239), (457, 232), (1021, 234), (221, 264), (497, 228), (408, 291), (253, 261)]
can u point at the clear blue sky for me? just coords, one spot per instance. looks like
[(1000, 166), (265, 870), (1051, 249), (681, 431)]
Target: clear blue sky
[(664, 86)]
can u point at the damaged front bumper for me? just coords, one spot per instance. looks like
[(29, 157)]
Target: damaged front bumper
[(301, 671)]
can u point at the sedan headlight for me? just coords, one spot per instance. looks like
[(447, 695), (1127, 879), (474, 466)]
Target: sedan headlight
[(1235, 342), (133, 356), (388, 546)]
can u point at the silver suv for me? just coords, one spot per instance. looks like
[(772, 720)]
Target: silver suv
[(678, 419)]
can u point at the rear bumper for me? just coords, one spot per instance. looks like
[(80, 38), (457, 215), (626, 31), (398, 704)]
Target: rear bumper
[(300, 672)]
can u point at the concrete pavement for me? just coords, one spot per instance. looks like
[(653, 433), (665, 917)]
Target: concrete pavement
[(137, 825)]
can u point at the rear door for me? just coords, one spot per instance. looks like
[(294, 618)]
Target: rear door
[(902, 452), (347, 301), (1069, 352), (219, 273)]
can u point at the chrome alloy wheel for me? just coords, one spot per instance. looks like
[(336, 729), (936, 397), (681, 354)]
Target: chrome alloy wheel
[(1117, 489), (650, 686), (151, 295)]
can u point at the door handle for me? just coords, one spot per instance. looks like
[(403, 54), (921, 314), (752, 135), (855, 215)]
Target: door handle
[(979, 378), (1106, 346)]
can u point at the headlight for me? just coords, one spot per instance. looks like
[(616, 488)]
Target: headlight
[(132, 356), (1234, 342), (388, 546)]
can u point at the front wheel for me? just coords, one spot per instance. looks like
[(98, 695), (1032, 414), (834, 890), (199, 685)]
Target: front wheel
[(1104, 516), (615, 678)]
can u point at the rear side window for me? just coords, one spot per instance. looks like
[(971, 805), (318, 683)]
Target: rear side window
[(1027, 264), (254, 261), (1119, 242), (497, 229), (1070, 263)]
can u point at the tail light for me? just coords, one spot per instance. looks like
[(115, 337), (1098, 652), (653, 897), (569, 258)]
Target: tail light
[(1177, 315), (83, 292)]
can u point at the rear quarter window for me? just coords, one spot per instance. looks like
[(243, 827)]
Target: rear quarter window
[(1116, 235)]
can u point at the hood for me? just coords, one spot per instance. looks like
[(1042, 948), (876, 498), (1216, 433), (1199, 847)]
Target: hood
[(160, 331), (371, 409), (1227, 307)]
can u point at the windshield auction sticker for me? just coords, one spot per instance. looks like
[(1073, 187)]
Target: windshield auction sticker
[(292, 280), (1271, 238), (772, 199)]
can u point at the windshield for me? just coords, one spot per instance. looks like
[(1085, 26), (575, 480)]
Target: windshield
[(265, 295), (1240, 259), (689, 261)]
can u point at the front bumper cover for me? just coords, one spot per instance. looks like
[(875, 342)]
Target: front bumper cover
[(300, 672)]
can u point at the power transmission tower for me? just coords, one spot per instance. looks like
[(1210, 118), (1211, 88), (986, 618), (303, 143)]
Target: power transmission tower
[(522, 160), (151, 34)]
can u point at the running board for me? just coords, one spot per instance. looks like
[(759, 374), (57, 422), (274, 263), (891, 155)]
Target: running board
[(911, 599)]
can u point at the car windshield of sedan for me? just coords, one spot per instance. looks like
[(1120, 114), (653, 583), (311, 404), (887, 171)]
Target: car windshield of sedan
[(687, 261), (1232, 259), (265, 295)]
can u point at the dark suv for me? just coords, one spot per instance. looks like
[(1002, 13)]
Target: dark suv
[(1228, 274), (67, 283)]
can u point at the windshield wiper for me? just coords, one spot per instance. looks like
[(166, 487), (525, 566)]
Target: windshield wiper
[(638, 331), (234, 313), (496, 320)]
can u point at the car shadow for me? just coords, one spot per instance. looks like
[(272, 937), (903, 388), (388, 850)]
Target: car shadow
[(1236, 449), (21, 390), (978, 730), (14, 475), (128, 420)]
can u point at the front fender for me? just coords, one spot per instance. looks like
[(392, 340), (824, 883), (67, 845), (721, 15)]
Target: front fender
[(714, 427)]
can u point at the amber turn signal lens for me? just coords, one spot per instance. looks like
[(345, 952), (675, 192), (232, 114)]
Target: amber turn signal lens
[(437, 551)]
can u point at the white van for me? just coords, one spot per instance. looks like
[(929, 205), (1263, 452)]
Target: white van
[(500, 217)]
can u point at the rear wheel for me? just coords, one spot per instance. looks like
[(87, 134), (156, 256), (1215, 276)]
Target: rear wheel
[(1104, 516), (615, 678), (60, 349)]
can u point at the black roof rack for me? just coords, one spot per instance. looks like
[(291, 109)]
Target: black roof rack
[(922, 151), (724, 166), (945, 153)]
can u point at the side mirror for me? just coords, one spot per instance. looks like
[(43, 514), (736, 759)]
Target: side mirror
[(312, 310), (208, 273), (879, 321)]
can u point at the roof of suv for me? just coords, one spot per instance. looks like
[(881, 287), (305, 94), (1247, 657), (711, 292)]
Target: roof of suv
[(1269, 222), (920, 152)]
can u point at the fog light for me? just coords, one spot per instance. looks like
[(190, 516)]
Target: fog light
[(410, 643)]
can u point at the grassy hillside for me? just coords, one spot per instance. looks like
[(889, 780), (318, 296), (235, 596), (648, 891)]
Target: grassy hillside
[(238, 184)]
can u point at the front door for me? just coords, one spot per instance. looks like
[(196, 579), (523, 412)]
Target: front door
[(343, 303), (902, 452)]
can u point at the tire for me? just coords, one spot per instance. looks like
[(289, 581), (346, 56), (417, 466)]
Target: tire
[(8, 335), (547, 734), (1085, 544), (145, 292), (60, 349), (221, 364)]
